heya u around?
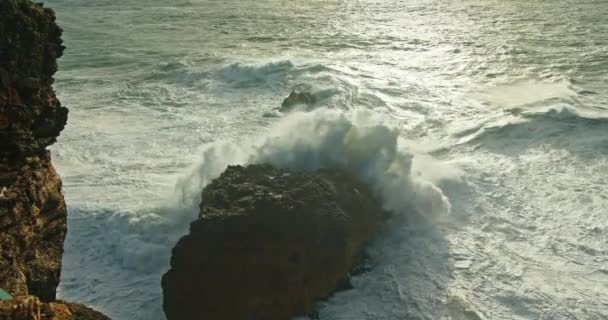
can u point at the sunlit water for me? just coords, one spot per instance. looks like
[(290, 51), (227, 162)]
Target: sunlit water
[(503, 105)]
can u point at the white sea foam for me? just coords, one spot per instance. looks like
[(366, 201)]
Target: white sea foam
[(157, 81), (527, 92), (357, 142), (241, 72), (139, 242)]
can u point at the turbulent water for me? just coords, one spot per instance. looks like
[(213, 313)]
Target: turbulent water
[(482, 124)]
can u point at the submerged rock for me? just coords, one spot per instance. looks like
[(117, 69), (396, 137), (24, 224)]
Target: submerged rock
[(268, 244), (296, 98)]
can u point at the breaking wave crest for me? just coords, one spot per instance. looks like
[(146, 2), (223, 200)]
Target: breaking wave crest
[(140, 241), (566, 128), (356, 142)]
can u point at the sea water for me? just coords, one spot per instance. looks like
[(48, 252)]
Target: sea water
[(483, 126)]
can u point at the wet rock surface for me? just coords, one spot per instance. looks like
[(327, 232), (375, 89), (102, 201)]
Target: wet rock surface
[(269, 244)]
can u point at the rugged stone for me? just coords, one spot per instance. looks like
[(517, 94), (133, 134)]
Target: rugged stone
[(33, 227), (296, 98), (30, 308), (33, 215), (31, 116), (268, 244), (32, 209), (23, 308)]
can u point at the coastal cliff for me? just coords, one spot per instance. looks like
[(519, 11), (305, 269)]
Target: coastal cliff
[(33, 215), (268, 244), (32, 209)]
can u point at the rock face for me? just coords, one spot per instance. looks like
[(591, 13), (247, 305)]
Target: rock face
[(269, 244), (33, 215), (32, 209), (30, 308), (33, 224), (296, 98), (31, 116)]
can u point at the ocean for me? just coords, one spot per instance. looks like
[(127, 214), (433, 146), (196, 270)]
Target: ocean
[(482, 125)]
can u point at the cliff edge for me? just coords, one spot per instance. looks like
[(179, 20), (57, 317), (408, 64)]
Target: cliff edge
[(33, 215), (32, 210)]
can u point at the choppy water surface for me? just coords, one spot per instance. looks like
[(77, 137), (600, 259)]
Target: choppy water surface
[(495, 114)]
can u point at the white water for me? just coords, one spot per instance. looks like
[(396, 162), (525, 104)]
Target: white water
[(483, 124)]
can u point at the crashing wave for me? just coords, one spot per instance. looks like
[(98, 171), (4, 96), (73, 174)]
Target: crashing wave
[(141, 241), (325, 138), (565, 127)]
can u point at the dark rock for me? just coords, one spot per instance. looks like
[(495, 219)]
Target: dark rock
[(269, 244), (30, 44), (296, 98), (33, 215), (32, 209)]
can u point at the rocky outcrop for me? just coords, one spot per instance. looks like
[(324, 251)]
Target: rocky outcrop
[(31, 116), (296, 98), (33, 215), (268, 244), (33, 223), (32, 209), (30, 308)]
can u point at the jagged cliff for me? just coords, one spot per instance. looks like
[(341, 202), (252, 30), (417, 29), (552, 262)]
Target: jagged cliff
[(268, 244), (31, 116), (32, 209), (33, 215)]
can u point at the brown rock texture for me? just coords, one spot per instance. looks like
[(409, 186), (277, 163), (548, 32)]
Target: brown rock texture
[(268, 244), (62, 310), (30, 308), (31, 116), (33, 215), (32, 209), (33, 226)]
